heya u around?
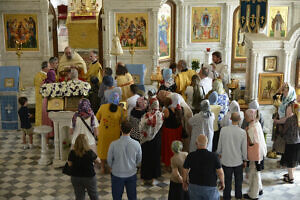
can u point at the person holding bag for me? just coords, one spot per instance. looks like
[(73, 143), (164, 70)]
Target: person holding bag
[(256, 151), (84, 122), (81, 162)]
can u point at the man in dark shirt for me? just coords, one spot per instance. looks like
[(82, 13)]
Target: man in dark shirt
[(202, 167)]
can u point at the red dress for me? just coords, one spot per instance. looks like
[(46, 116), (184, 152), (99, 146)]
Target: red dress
[(171, 131)]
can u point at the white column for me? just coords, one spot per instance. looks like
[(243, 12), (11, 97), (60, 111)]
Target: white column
[(287, 65), (181, 31), (44, 4), (228, 38), (106, 38), (253, 76), (155, 53)]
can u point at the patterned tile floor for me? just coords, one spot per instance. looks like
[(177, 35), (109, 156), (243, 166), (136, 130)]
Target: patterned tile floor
[(22, 178)]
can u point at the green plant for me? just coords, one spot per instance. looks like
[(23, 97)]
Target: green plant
[(195, 65)]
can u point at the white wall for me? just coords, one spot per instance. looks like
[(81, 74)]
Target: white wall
[(30, 60)]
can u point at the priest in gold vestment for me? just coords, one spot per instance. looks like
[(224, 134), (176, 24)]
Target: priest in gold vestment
[(71, 58), (184, 78), (95, 68), (38, 81)]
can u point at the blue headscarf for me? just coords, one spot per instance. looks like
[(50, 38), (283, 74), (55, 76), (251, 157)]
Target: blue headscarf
[(167, 74), (286, 100), (213, 98), (114, 98)]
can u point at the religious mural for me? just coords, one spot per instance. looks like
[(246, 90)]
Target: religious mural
[(268, 84), (132, 29), (21, 28), (206, 24), (278, 20), (164, 30)]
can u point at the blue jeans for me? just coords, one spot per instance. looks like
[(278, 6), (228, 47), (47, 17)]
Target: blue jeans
[(198, 192), (117, 187)]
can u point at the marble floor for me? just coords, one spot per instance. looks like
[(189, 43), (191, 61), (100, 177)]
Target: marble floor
[(22, 178)]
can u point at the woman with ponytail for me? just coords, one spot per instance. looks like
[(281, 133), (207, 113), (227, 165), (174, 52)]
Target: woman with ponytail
[(110, 116), (195, 94)]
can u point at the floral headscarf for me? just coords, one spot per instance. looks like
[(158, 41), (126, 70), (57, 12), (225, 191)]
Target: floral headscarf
[(286, 100), (218, 86), (176, 146), (167, 76), (151, 122), (85, 111), (114, 98), (205, 109)]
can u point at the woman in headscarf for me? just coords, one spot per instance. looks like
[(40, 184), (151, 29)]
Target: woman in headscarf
[(195, 94), (233, 107), (254, 105), (202, 123), (257, 150), (168, 83), (176, 191), (284, 111), (77, 126), (150, 126), (213, 99), (108, 81), (291, 135), (110, 116), (124, 80), (172, 126), (135, 117), (223, 99)]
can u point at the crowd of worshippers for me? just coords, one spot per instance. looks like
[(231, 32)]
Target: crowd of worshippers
[(188, 126)]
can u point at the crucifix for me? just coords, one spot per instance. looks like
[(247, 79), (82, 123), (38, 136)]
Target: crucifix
[(8, 108)]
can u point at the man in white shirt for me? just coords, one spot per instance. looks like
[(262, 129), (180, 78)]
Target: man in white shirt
[(205, 82), (219, 69), (232, 149), (131, 101)]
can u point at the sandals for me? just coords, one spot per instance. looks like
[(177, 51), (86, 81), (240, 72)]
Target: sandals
[(285, 175), (288, 180)]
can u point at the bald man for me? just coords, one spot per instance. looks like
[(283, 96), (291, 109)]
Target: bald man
[(71, 58), (203, 167), (232, 148)]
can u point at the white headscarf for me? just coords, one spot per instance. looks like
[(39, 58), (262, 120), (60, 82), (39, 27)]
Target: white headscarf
[(233, 107)]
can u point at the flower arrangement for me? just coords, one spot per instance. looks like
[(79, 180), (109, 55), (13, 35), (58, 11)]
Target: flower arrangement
[(66, 144), (195, 65), (65, 89)]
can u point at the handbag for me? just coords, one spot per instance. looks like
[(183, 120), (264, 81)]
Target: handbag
[(89, 128), (67, 169), (252, 150)]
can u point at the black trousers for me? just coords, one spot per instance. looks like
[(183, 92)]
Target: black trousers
[(238, 181)]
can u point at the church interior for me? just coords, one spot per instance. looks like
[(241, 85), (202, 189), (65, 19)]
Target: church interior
[(259, 41)]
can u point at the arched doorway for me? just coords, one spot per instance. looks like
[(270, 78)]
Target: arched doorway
[(166, 32)]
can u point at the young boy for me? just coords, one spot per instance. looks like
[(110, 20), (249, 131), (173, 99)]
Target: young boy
[(25, 123)]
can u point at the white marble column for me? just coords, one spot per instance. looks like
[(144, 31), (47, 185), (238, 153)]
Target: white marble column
[(155, 53), (181, 30), (44, 4), (287, 65), (253, 76), (228, 37), (106, 42)]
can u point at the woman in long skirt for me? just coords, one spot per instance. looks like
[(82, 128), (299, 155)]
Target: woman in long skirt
[(150, 126)]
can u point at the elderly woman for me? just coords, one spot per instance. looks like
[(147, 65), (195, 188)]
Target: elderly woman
[(291, 134), (213, 99), (135, 117), (84, 122), (124, 80), (168, 82), (108, 81), (195, 94), (150, 126), (110, 116), (254, 105), (257, 150), (233, 107), (176, 191), (202, 123), (284, 112)]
